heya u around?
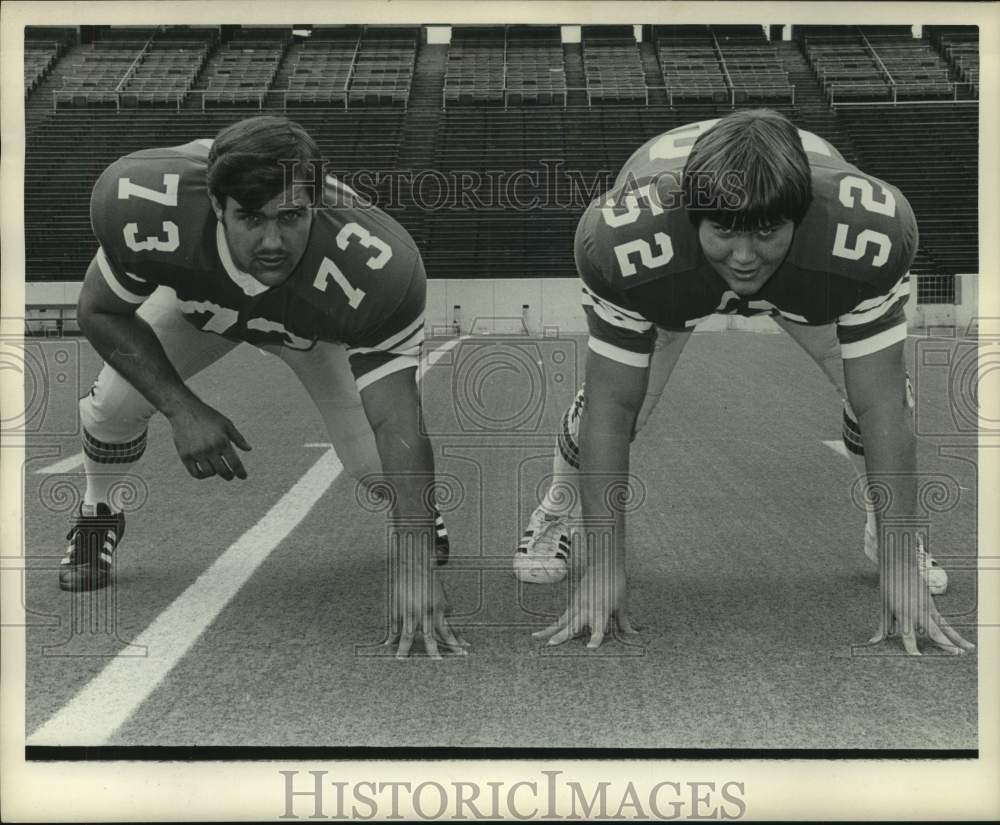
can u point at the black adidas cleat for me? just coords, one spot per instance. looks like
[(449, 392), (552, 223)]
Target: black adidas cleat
[(92, 542)]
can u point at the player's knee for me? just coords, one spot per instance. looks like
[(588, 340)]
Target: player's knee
[(113, 422)]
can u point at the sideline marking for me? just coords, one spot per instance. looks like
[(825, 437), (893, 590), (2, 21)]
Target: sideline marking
[(438, 353), (110, 698), (62, 466), (838, 447)]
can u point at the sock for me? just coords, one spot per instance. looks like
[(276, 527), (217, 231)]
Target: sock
[(99, 458), (563, 496)]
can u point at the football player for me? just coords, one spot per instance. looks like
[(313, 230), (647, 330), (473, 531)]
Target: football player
[(740, 215), (213, 244)]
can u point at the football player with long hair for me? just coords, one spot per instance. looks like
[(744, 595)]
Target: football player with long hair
[(744, 215)]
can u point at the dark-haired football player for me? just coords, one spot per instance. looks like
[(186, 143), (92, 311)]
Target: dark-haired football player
[(740, 215), (241, 240)]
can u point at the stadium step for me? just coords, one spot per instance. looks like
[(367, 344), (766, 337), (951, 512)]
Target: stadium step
[(576, 81), (653, 74)]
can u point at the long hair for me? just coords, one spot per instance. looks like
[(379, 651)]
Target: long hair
[(254, 160), (747, 172)]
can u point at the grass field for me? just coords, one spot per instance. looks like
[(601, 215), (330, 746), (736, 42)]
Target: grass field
[(248, 613)]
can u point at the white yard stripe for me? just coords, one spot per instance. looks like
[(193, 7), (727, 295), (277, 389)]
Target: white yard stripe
[(438, 353), (838, 447), (62, 466), (108, 700)]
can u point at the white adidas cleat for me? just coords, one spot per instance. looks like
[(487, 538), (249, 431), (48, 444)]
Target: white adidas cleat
[(934, 573), (542, 557)]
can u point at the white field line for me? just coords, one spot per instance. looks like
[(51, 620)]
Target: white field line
[(62, 466), (839, 448), (438, 353), (110, 698)]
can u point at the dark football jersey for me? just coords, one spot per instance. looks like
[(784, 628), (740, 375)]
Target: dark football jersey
[(642, 266), (360, 280)]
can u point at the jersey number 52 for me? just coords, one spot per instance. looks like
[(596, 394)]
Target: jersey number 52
[(850, 187)]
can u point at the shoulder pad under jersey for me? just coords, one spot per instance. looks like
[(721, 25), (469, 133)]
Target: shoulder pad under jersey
[(152, 207), (857, 227)]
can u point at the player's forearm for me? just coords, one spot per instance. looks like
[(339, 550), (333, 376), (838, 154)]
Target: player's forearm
[(604, 476), (129, 345), (890, 460), (408, 470)]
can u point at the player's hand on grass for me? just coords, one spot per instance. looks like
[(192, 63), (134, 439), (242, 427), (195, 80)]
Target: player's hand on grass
[(599, 604), (420, 609), (204, 439), (908, 608)]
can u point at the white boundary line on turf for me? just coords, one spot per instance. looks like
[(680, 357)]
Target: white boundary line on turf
[(110, 698), (839, 448), (62, 466)]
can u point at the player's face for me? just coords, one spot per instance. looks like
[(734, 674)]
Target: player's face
[(745, 260), (267, 242)]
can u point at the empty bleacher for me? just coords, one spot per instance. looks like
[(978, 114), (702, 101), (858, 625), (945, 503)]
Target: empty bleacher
[(690, 64), (752, 65), (476, 71), (916, 70), (168, 67), (535, 70), (42, 47), (612, 65), (721, 63), (322, 66), (509, 66), (383, 69), (959, 45), (242, 70), (844, 66), (93, 75)]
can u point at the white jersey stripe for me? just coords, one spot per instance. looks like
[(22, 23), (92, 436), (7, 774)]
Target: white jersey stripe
[(596, 299), (412, 341), (403, 362), (609, 313), (791, 316), (871, 303), (622, 356), (114, 283), (393, 340), (695, 321), (855, 318), (858, 349)]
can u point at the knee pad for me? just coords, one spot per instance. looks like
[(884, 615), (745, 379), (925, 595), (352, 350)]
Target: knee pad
[(114, 433)]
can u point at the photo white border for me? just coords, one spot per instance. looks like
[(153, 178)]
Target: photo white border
[(797, 789)]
